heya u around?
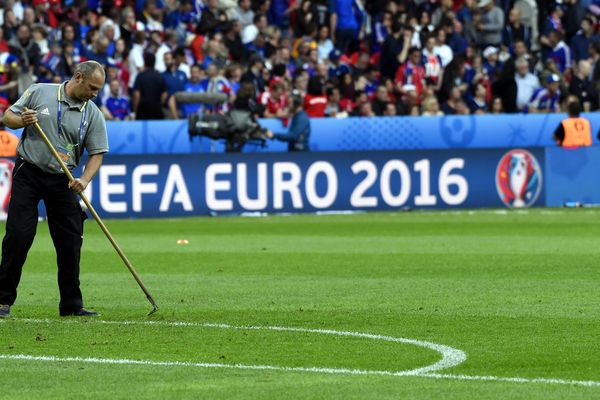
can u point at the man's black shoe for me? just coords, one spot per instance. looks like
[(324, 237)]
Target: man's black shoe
[(4, 311), (82, 312)]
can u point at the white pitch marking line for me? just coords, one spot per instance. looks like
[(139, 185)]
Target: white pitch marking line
[(511, 379), (339, 371), (451, 357), (343, 371), (425, 372)]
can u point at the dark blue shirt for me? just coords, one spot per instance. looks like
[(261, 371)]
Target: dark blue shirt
[(100, 58), (492, 70), (344, 9), (175, 81), (458, 43), (176, 17), (276, 14), (200, 87), (339, 70), (118, 107), (475, 106), (510, 35), (464, 14), (580, 44)]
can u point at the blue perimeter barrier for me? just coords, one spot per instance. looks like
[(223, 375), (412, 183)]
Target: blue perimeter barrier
[(357, 134)]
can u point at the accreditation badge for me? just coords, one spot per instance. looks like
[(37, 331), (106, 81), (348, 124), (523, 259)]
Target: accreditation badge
[(65, 152)]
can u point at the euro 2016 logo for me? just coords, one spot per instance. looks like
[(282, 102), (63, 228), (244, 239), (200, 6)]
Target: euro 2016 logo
[(518, 179)]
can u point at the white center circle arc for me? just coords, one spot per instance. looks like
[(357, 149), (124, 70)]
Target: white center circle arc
[(451, 357)]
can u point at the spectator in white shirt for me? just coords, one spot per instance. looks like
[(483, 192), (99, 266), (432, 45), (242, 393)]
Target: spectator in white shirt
[(168, 44), (527, 83), (136, 56), (325, 45), (244, 13), (441, 49)]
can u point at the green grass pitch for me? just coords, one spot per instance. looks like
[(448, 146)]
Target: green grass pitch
[(516, 291)]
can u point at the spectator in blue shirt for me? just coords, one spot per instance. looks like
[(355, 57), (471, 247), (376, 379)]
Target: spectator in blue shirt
[(546, 100), (116, 106), (336, 67), (345, 23), (465, 14), (580, 42), (98, 52), (491, 64), (278, 14), (552, 23), (182, 15), (174, 77), (477, 103), (196, 84), (560, 53)]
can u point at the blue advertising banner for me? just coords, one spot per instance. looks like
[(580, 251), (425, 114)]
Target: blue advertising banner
[(163, 185)]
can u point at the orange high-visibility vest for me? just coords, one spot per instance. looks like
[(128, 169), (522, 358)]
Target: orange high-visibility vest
[(578, 132)]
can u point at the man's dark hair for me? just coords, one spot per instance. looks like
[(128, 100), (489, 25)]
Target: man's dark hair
[(384, 81), (24, 24), (430, 36), (139, 37), (178, 52), (227, 26), (255, 59), (559, 35), (247, 89), (521, 41), (297, 102), (279, 70), (589, 19), (573, 107), (168, 36), (396, 26), (413, 50), (149, 60), (311, 28), (257, 17), (83, 12), (314, 87)]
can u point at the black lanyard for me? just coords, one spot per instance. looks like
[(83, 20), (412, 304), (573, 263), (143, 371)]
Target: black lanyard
[(81, 125)]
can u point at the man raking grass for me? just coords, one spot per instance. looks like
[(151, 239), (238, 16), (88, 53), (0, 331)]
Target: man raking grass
[(74, 124)]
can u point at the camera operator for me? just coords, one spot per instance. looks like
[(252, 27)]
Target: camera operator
[(298, 133), (237, 127)]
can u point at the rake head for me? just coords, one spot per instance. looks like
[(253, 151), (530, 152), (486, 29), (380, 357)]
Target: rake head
[(154, 305)]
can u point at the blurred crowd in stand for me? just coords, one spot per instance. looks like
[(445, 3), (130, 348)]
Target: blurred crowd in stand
[(343, 57)]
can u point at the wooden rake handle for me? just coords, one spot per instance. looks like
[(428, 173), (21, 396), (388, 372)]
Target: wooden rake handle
[(91, 209)]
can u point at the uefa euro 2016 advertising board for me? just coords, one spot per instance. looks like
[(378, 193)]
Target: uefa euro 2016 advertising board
[(201, 184)]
